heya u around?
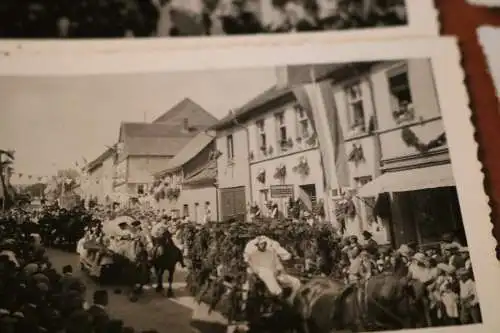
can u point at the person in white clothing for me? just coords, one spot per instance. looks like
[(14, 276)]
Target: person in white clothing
[(264, 258), (208, 213)]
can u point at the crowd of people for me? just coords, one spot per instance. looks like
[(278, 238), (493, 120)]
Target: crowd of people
[(33, 291), (134, 18), (37, 297)]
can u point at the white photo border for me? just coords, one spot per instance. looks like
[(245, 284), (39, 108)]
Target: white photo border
[(486, 36), (451, 91), (422, 21), (485, 3)]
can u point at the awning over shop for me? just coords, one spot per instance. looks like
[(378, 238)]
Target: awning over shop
[(409, 180)]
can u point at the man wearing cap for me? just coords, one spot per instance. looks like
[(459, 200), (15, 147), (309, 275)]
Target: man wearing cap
[(371, 246), (264, 260)]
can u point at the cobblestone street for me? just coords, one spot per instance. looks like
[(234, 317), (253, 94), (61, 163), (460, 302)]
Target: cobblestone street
[(152, 311)]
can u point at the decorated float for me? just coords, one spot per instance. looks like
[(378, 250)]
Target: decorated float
[(218, 275)]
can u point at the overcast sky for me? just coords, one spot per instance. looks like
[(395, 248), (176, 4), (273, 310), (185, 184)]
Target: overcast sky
[(53, 122)]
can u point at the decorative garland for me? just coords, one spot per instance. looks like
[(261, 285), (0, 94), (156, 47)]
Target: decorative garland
[(311, 141), (159, 195), (173, 193), (280, 172), (270, 150), (403, 114), (285, 144), (214, 154), (356, 155), (345, 208), (261, 176), (411, 140), (263, 149), (302, 168)]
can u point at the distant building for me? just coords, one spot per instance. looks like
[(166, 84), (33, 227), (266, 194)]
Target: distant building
[(97, 183), (143, 149), (187, 185)]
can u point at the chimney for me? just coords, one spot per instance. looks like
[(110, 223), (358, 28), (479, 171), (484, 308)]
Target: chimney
[(282, 76), (185, 124)]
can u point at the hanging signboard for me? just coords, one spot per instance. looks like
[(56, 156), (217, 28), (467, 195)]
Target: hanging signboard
[(281, 191)]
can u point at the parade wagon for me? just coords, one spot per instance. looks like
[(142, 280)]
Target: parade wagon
[(105, 260)]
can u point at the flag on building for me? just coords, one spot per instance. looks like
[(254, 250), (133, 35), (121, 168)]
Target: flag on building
[(316, 98)]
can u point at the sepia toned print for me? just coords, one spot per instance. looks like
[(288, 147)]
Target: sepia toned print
[(169, 18), (303, 197)]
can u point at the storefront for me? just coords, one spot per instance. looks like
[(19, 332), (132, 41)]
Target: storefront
[(418, 204)]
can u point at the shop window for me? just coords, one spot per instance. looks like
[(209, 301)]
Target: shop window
[(401, 97), (436, 212), (355, 108), (230, 147)]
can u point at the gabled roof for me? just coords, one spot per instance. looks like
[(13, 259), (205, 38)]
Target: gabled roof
[(189, 151), (187, 108), (167, 134), (207, 175), (260, 100), (100, 159), (165, 146), (296, 76)]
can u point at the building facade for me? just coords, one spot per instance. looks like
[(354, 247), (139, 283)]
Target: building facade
[(397, 154), (270, 155), (187, 185), (144, 149), (285, 161), (233, 171), (97, 183)]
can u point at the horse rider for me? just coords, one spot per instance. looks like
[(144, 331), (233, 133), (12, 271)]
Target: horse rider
[(264, 257)]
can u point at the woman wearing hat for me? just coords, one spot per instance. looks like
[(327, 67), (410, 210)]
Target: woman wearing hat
[(371, 245)]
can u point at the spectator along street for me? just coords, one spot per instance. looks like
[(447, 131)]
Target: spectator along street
[(279, 207)]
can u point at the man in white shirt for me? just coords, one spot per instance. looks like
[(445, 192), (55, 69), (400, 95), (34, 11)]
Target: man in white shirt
[(265, 262)]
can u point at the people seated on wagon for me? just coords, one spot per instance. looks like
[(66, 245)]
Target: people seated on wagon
[(264, 257)]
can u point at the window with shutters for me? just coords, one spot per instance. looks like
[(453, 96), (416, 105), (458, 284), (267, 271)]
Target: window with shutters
[(303, 125), (282, 130), (261, 136), (230, 147), (355, 108)]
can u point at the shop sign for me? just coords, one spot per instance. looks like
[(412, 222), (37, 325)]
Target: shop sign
[(281, 191)]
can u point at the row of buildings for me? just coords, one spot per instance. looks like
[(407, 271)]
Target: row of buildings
[(363, 141)]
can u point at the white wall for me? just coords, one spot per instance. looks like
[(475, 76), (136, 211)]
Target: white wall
[(315, 175), (236, 172)]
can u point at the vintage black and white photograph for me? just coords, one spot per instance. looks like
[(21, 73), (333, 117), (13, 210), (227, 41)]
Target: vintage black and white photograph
[(304, 197), (49, 19)]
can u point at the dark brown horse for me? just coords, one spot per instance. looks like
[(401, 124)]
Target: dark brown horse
[(165, 257), (384, 302)]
